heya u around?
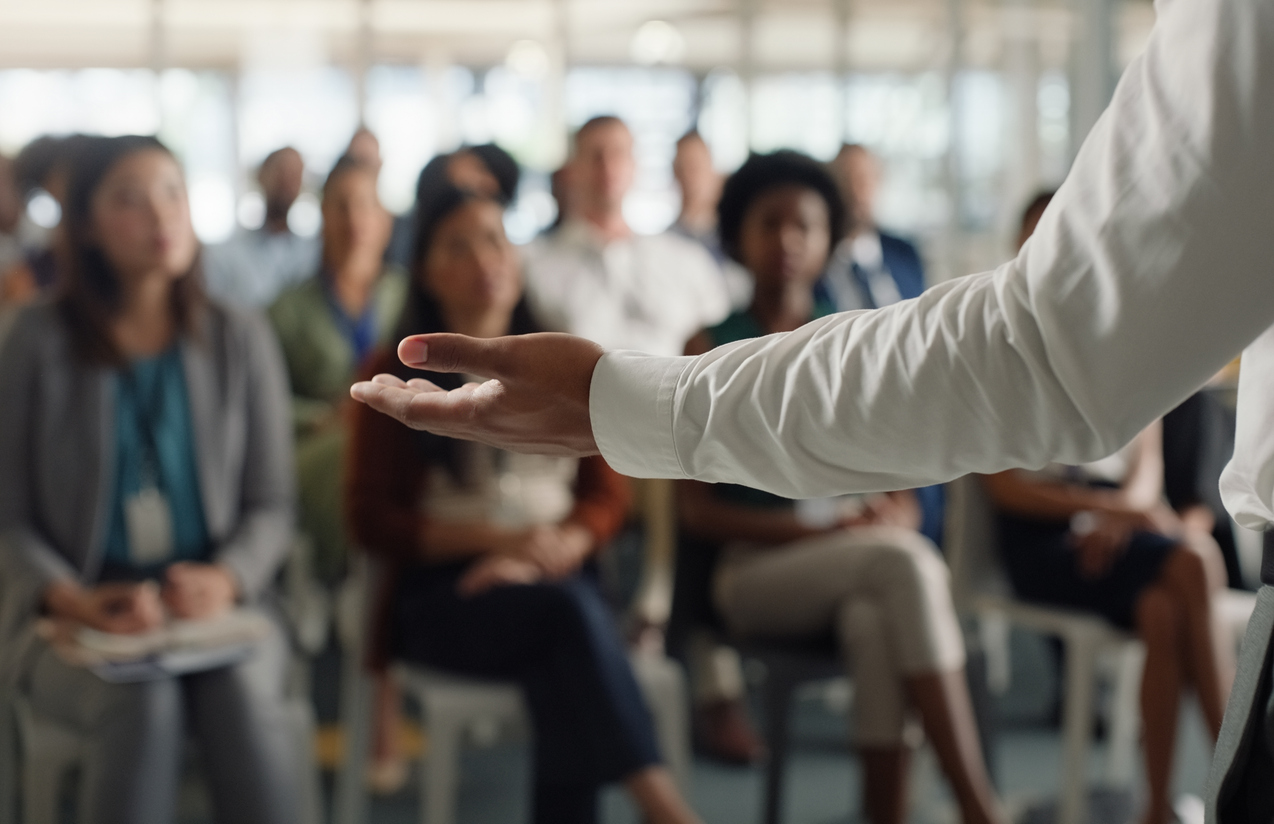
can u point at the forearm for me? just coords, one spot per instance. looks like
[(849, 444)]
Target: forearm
[(1045, 500), (448, 541)]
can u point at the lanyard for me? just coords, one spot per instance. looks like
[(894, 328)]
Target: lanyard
[(146, 411), (361, 331)]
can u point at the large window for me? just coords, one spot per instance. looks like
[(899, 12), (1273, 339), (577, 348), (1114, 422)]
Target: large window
[(222, 125)]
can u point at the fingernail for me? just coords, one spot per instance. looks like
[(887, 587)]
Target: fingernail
[(413, 351), (359, 390)]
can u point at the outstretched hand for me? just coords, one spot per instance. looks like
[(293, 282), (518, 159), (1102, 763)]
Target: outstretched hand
[(534, 396)]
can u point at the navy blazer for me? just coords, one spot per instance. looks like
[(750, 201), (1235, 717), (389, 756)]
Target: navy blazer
[(903, 262)]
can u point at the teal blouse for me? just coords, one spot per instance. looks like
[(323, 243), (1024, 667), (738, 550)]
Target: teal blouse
[(155, 397)]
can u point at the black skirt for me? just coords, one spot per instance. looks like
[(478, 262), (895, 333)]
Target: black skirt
[(1044, 568)]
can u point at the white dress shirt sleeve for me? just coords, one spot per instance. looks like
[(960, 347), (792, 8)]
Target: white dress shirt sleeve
[(1151, 269)]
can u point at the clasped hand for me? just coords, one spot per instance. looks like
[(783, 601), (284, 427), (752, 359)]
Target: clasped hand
[(528, 556), (1111, 533), (190, 592)]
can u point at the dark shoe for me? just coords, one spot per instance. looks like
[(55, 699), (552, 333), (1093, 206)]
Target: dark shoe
[(724, 732)]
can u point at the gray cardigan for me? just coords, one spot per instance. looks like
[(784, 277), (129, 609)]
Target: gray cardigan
[(57, 438)]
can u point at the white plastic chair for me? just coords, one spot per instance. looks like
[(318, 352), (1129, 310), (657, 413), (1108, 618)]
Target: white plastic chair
[(980, 588), (47, 750), (454, 705), (1091, 644)]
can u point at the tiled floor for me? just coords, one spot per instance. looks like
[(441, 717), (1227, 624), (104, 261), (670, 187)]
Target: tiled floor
[(823, 780)]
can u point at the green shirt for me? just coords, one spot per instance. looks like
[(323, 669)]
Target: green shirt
[(319, 354)]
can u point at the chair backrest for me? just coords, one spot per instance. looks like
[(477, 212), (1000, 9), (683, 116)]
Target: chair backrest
[(972, 547)]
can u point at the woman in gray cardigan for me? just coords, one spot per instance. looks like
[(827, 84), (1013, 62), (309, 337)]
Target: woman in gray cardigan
[(145, 467)]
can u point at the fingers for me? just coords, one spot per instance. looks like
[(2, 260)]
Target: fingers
[(454, 353), (415, 407)]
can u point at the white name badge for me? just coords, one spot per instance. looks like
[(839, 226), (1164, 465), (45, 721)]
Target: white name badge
[(149, 522)]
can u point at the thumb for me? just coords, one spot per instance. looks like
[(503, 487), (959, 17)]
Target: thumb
[(444, 352)]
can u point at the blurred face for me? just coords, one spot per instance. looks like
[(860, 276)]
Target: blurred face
[(471, 267), (140, 217), (859, 177), (281, 179), (603, 167), (354, 222), (785, 237), (699, 181), (365, 147), (467, 171)]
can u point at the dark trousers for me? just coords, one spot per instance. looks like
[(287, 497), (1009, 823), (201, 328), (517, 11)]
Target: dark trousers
[(1241, 783), (558, 642)]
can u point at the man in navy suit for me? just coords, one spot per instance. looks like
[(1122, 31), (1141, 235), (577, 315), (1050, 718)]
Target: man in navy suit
[(869, 268)]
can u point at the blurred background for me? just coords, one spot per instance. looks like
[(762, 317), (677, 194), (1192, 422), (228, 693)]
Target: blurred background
[(972, 105)]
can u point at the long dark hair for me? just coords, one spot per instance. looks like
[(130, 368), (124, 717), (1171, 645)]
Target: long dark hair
[(422, 313), (90, 296)]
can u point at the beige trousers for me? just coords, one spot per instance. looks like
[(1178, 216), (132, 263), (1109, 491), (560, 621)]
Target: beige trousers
[(883, 590)]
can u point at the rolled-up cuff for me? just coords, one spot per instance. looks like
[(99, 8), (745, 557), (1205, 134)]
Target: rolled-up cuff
[(631, 406)]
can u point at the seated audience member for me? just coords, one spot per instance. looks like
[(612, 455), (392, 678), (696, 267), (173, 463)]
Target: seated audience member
[(327, 326), (869, 268), (255, 265), (864, 574), (145, 471), (596, 278), (700, 185), (1198, 441), (486, 170), (488, 551), (1100, 538)]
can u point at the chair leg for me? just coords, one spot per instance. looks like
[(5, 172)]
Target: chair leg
[(1125, 719), (1077, 722), (439, 771), (8, 761), (777, 693), (350, 805), (310, 786)]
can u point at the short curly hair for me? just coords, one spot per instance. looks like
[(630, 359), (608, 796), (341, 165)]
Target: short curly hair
[(764, 172)]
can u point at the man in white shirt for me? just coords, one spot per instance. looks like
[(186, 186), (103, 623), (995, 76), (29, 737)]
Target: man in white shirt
[(1152, 268), (596, 278), (255, 265)]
